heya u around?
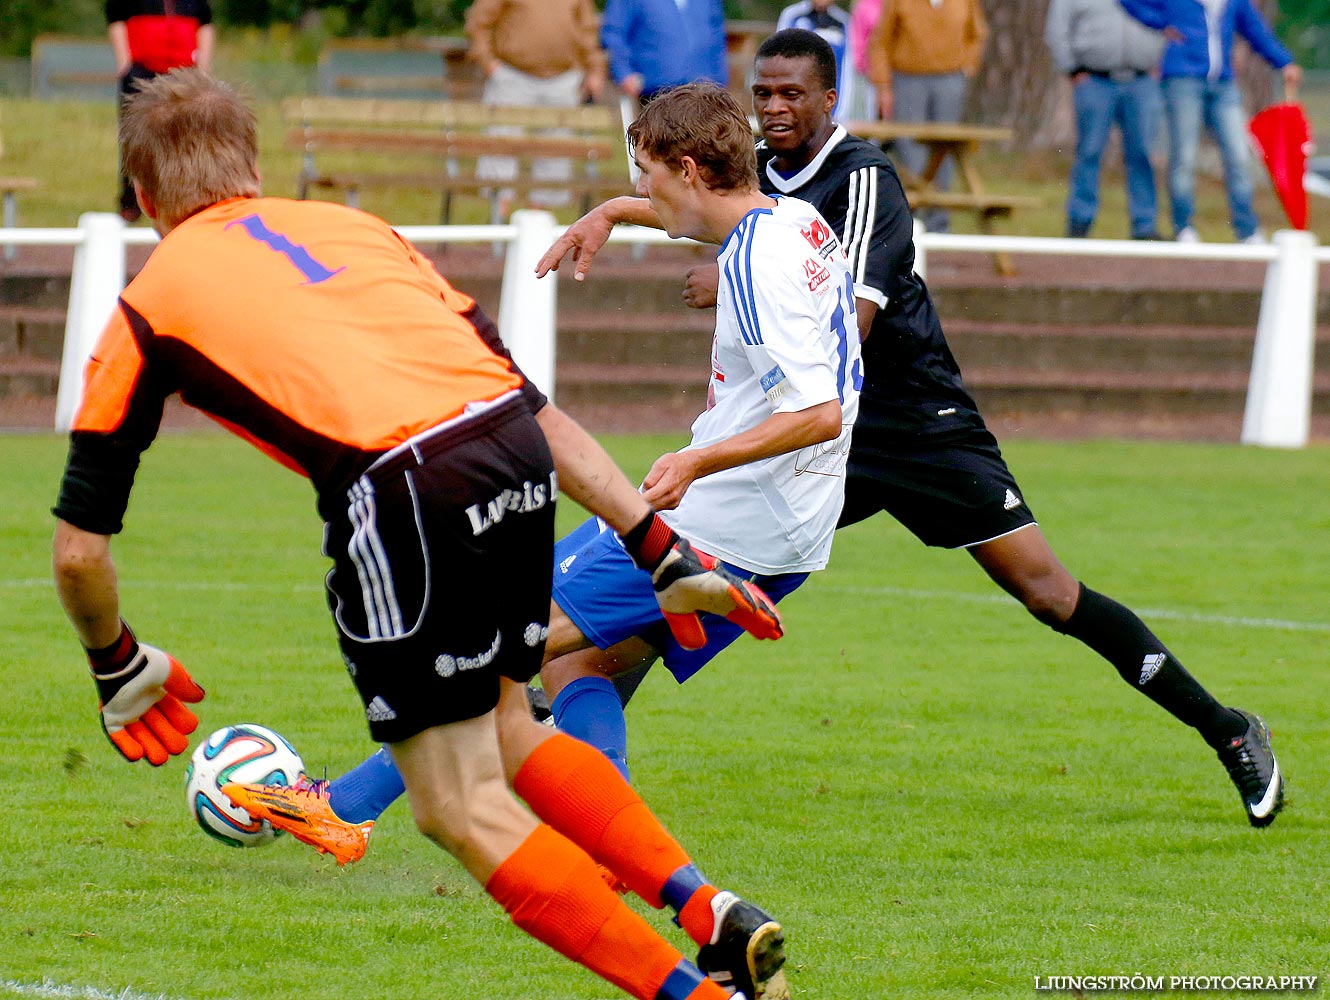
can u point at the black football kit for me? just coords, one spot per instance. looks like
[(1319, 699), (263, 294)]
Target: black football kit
[(922, 453), (920, 450)]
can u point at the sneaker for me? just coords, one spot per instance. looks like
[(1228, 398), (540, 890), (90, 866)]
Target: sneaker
[(1252, 766), (1187, 235), (1078, 230), (302, 810), (1256, 239), (746, 951)]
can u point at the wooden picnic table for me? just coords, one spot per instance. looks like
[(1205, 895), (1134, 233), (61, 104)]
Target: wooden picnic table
[(962, 143)]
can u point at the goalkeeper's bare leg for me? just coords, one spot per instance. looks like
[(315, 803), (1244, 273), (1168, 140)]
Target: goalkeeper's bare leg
[(457, 778), (576, 791)]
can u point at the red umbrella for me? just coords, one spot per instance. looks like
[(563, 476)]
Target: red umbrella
[(1285, 138)]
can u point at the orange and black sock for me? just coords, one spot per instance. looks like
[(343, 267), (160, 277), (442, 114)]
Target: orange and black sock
[(551, 890), (574, 789)]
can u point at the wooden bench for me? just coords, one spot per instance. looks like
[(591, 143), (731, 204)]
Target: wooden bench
[(407, 68), (348, 145), (985, 206), (70, 68), (961, 142)]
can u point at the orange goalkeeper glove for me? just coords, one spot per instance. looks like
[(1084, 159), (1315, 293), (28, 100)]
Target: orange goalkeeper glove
[(142, 691), (688, 580)]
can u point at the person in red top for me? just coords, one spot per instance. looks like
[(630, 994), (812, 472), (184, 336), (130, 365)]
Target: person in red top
[(149, 37), (316, 332)]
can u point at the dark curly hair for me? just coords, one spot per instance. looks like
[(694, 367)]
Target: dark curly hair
[(796, 43)]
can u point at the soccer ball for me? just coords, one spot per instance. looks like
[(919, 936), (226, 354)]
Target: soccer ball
[(245, 753)]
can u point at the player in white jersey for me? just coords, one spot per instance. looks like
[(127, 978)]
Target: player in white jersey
[(786, 303), (762, 481)]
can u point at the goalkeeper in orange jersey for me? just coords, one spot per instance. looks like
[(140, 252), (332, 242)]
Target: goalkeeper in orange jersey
[(320, 335)]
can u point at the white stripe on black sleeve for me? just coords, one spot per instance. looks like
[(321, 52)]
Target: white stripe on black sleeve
[(870, 217)]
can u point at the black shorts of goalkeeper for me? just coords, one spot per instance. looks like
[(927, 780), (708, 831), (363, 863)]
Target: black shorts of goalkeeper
[(441, 570)]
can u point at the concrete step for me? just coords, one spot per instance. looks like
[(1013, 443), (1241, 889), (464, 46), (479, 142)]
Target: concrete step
[(634, 384), (636, 338), (1084, 347), (637, 382), (39, 289), (1104, 306), (1117, 347), (612, 336), (22, 376), (37, 331)]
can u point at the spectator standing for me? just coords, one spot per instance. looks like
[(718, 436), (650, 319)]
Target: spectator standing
[(921, 55), (150, 37), (832, 23), (1111, 60), (864, 15), (1198, 86), (653, 45), (535, 53)]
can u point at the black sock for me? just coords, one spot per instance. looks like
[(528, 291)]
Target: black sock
[(1120, 637)]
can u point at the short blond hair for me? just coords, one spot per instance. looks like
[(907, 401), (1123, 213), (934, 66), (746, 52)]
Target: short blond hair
[(701, 121), (189, 141)]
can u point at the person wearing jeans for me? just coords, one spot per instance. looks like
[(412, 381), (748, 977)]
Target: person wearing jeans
[(1110, 59), (1133, 104), (1198, 89), (1189, 102)]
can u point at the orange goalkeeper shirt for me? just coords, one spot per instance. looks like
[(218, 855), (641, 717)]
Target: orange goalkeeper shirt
[(311, 329)]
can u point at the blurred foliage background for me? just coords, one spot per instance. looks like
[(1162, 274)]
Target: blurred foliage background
[(1304, 25)]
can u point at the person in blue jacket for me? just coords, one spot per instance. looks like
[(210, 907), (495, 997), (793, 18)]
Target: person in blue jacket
[(1198, 88), (657, 44)]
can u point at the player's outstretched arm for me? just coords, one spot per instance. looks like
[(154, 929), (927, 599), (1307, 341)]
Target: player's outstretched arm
[(670, 475), (584, 238), (588, 475), (686, 581), (141, 689)]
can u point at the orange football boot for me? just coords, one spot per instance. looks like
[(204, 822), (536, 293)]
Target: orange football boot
[(302, 810)]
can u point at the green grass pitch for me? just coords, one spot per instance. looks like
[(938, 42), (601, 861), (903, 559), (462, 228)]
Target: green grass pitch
[(937, 796)]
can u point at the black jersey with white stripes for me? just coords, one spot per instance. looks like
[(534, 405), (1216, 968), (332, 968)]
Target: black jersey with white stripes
[(912, 384)]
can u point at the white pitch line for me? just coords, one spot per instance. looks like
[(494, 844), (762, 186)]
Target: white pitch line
[(1234, 621), (1199, 617), (47, 988), (238, 586)]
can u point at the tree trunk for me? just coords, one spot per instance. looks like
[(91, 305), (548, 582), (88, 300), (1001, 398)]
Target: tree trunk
[(1017, 85), (1255, 78)]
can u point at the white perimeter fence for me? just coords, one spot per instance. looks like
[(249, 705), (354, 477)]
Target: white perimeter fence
[(1278, 407)]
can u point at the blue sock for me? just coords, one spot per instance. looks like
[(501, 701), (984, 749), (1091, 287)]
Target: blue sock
[(680, 984), (681, 887), (365, 791), (589, 709)]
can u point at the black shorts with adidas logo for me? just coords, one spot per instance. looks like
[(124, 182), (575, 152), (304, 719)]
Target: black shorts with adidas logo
[(442, 566), (951, 488)]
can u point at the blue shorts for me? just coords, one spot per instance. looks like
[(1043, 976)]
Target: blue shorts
[(600, 588)]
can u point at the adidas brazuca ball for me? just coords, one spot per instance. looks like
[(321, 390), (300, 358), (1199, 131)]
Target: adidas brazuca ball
[(244, 753)]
